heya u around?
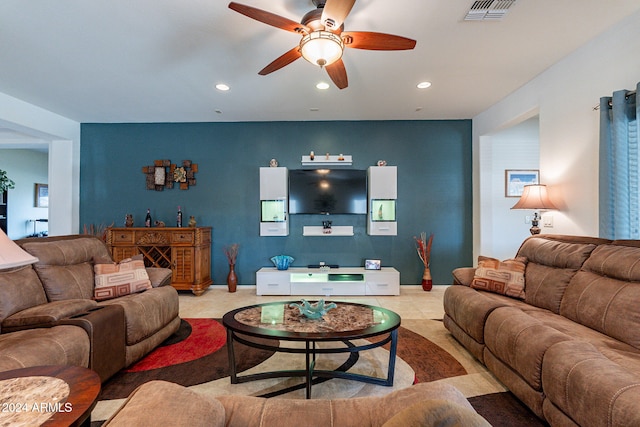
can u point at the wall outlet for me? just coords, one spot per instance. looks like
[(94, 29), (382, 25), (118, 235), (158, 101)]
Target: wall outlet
[(547, 221)]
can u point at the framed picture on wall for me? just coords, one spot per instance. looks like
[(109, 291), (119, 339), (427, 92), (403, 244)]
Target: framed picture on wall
[(516, 179), (42, 195)]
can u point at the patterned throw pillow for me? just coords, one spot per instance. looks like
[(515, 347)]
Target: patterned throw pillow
[(501, 277), (115, 280)]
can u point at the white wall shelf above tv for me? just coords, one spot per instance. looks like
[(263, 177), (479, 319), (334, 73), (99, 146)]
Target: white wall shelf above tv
[(336, 230), (322, 160)]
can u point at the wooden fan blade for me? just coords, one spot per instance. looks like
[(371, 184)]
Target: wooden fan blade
[(376, 41), (282, 61), (338, 74), (269, 18), (335, 12)]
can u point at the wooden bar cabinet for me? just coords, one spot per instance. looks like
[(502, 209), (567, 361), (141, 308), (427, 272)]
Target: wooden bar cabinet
[(186, 251)]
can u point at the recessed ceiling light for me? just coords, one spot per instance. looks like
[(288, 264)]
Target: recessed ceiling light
[(223, 87), (424, 85), (322, 86)]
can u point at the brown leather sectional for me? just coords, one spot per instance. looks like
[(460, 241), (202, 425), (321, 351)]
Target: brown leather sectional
[(48, 315), (571, 349)]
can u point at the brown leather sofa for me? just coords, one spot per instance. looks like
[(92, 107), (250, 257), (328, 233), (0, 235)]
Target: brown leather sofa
[(52, 302), (571, 349), (426, 404)]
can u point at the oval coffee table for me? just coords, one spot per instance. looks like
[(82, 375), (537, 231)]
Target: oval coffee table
[(346, 323)]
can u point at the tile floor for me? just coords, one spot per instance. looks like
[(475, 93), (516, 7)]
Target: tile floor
[(412, 303)]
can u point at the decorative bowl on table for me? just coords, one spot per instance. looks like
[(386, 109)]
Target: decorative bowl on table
[(315, 310), (282, 262)]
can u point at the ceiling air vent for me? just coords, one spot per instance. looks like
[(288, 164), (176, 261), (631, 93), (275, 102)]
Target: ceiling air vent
[(488, 10)]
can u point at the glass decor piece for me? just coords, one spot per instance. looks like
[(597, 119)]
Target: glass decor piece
[(383, 210), (315, 310), (282, 262)]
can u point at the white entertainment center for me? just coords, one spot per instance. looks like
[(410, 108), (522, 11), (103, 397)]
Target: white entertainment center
[(327, 282), (380, 208)]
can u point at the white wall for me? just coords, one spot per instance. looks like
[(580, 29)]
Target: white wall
[(564, 97), (25, 168), (63, 138), (514, 148)]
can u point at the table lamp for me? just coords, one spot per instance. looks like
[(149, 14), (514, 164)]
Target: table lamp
[(12, 255), (534, 197)]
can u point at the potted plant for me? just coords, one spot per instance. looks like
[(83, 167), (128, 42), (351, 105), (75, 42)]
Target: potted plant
[(5, 182)]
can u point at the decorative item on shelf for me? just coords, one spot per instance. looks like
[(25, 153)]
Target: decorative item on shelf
[(231, 253), (273, 163), (326, 160), (326, 227), (5, 182), (282, 262), (534, 197), (179, 218), (382, 163), (372, 264), (163, 174), (192, 221), (315, 310), (423, 247), (128, 220), (159, 224), (147, 220)]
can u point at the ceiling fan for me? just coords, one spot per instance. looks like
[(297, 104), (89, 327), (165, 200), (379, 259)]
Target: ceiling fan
[(323, 37)]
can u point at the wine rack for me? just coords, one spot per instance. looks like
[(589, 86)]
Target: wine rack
[(186, 251)]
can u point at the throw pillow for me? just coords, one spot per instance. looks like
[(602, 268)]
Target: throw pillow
[(116, 280), (501, 277)]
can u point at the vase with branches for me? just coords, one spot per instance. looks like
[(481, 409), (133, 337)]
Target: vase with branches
[(423, 247), (231, 252)]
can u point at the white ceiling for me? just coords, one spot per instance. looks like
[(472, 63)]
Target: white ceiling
[(158, 60)]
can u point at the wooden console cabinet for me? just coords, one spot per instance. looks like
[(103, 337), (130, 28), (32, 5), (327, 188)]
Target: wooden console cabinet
[(186, 251)]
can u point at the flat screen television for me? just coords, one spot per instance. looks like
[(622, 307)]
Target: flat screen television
[(327, 191)]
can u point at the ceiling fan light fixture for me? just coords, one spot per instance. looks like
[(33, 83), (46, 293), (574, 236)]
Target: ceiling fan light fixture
[(321, 48)]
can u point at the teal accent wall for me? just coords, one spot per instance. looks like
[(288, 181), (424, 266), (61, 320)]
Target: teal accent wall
[(434, 187)]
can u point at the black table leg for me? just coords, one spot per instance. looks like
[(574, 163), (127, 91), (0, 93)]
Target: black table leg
[(232, 357), (392, 357)]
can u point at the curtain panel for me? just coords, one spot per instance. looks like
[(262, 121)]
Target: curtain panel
[(619, 191)]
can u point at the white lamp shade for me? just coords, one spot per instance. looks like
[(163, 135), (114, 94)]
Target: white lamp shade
[(534, 197), (12, 255), (321, 48)]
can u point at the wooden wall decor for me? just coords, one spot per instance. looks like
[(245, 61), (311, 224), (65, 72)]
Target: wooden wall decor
[(164, 174)]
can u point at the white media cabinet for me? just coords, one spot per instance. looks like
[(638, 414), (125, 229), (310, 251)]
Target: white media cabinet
[(334, 281)]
